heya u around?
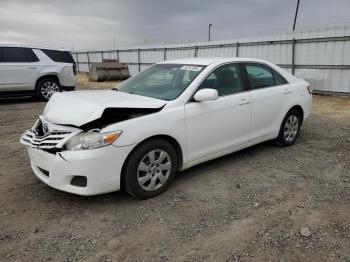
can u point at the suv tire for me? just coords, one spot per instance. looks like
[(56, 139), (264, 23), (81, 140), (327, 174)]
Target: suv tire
[(46, 87)]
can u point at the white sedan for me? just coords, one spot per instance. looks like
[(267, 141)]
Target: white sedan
[(169, 117)]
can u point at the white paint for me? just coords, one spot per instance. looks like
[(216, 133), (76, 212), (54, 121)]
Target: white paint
[(204, 130)]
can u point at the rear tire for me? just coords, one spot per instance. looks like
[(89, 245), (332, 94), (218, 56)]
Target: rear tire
[(289, 129), (149, 169), (46, 87)]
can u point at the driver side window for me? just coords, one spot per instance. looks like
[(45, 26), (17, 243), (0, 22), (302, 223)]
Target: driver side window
[(225, 79)]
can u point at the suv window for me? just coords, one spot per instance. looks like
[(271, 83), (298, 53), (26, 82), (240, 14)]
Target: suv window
[(225, 79), (17, 55), (59, 56)]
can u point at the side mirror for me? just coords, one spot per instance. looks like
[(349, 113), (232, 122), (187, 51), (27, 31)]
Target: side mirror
[(206, 94)]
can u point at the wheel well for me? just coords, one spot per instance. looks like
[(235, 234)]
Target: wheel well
[(47, 76), (300, 110), (167, 138)]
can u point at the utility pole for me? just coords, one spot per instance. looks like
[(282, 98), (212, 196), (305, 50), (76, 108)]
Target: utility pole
[(296, 14), (210, 25)]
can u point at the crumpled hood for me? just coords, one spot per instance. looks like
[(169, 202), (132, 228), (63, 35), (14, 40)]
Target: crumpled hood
[(80, 107)]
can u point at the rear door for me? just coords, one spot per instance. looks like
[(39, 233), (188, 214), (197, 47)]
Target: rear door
[(19, 68), (269, 92)]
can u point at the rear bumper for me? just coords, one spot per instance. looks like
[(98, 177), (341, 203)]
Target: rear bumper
[(68, 88), (101, 167), (307, 107)]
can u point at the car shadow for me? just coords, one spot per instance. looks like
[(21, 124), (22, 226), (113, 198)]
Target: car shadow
[(18, 100), (121, 198), (220, 161)]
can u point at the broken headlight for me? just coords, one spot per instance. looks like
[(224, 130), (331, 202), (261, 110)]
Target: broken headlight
[(84, 141)]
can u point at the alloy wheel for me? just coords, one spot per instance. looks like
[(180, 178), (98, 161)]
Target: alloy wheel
[(48, 89)]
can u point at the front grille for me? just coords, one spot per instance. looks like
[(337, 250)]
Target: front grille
[(48, 141)]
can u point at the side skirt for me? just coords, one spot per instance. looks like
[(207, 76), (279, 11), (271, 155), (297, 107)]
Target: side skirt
[(225, 152)]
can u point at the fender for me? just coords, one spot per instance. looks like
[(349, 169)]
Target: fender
[(297, 99), (153, 125)]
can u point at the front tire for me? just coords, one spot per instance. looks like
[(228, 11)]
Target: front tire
[(150, 168), (289, 129), (46, 87)]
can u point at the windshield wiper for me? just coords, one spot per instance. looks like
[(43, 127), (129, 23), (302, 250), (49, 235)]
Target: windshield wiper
[(129, 92)]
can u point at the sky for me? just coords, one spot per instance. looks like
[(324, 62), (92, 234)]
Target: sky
[(105, 24)]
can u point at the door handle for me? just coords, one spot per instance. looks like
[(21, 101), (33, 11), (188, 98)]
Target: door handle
[(32, 67), (244, 102), (286, 92)]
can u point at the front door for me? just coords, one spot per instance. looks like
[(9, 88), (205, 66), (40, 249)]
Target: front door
[(218, 125)]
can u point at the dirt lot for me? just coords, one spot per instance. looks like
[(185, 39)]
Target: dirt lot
[(247, 206)]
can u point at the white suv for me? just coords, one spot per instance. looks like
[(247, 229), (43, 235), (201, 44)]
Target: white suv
[(25, 69)]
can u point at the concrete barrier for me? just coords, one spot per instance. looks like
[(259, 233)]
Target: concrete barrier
[(110, 70)]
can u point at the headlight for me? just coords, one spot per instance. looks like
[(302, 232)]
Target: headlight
[(85, 141)]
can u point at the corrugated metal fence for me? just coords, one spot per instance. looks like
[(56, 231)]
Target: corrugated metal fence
[(322, 56)]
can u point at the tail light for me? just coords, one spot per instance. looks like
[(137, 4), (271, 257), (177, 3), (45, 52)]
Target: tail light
[(309, 89), (74, 69)]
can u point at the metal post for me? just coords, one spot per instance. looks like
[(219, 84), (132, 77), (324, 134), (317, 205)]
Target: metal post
[(237, 49), (209, 26), (139, 59), (88, 58), (195, 51), (102, 56), (293, 56), (77, 61), (296, 14), (118, 55), (164, 57)]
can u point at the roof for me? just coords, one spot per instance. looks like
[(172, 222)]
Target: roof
[(32, 46), (209, 60)]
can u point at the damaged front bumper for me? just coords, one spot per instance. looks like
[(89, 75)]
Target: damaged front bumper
[(85, 172), (82, 172)]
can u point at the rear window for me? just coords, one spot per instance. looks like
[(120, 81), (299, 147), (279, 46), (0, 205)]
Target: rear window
[(259, 76), (59, 56), (279, 79), (263, 76), (17, 55)]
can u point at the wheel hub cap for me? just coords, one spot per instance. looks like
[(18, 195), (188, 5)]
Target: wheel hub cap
[(291, 128), (154, 170)]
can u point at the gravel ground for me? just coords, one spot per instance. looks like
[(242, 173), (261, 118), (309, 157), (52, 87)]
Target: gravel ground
[(261, 204)]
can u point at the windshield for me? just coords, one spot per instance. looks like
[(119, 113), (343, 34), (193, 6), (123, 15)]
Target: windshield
[(162, 81)]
